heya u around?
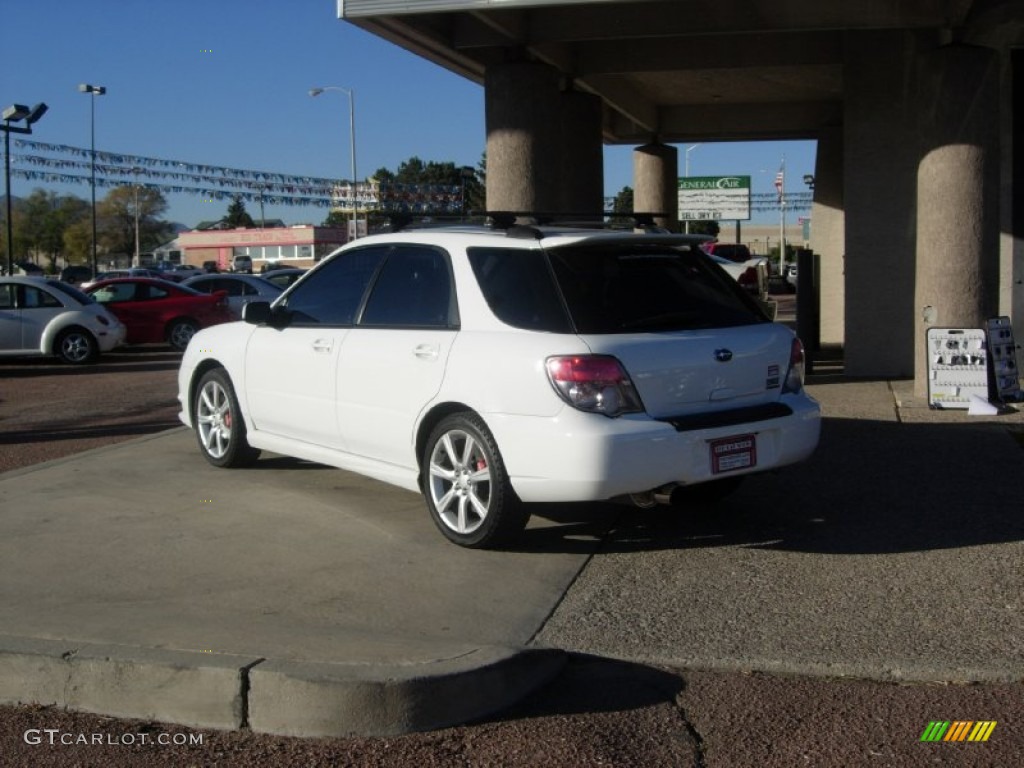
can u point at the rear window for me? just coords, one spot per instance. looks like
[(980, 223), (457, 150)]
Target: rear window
[(80, 296), (613, 289), (626, 289)]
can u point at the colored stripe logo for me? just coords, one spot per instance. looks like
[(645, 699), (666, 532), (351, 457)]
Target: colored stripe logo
[(958, 730)]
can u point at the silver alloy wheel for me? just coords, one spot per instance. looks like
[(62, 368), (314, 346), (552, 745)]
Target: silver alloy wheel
[(181, 335), (213, 419), (76, 347), (460, 481)]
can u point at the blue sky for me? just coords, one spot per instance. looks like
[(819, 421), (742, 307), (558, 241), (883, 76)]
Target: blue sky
[(226, 83)]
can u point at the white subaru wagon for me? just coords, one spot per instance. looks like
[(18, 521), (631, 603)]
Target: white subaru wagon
[(489, 368)]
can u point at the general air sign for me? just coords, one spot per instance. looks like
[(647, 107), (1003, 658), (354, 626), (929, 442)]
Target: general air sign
[(710, 198)]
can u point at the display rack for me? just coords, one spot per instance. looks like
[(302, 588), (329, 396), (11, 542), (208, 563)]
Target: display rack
[(1002, 351), (957, 366)]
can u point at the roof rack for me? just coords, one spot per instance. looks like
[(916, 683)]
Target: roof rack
[(508, 220)]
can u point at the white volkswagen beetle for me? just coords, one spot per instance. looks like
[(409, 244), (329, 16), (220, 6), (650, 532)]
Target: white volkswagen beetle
[(39, 316)]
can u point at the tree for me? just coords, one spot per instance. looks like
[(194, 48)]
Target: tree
[(43, 218), (336, 219), (705, 228), (623, 204), (470, 181), (116, 214), (237, 216)]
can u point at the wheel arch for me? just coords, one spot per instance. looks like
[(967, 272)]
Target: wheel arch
[(201, 370), (430, 420), (52, 345), (180, 319)]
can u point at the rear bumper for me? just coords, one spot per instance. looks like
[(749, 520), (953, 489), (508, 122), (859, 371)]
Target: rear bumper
[(585, 457)]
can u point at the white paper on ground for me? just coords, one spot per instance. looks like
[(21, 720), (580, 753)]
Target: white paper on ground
[(981, 407)]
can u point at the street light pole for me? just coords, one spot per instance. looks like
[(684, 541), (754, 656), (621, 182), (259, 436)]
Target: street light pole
[(686, 165), (13, 114), (352, 136), (135, 261), (94, 91)]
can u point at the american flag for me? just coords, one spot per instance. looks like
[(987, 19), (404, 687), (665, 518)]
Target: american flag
[(780, 179)]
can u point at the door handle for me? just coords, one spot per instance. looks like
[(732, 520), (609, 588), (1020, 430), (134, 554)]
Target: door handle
[(322, 345), (426, 351)]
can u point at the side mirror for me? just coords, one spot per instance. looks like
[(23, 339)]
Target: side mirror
[(262, 313), (256, 312)]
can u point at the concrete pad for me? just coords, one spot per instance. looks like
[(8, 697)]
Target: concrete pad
[(894, 553), (144, 548)]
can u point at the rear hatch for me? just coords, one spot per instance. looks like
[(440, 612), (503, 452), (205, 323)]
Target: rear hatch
[(690, 338), (692, 372)]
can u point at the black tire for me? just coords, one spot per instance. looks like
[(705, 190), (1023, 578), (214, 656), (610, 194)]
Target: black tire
[(76, 346), (180, 333), (706, 493), (468, 494), (220, 428)]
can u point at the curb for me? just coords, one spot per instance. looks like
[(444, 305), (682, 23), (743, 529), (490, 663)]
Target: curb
[(280, 697)]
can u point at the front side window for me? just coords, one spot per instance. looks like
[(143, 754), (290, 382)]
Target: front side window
[(412, 290), (334, 294)]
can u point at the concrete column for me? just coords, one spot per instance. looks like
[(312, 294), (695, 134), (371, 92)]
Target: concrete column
[(957, 273), (656, 182), (582, 153), (879, 198), (523, 106), (828, 234)]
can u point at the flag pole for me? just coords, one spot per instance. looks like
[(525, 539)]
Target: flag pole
[(780, 187)]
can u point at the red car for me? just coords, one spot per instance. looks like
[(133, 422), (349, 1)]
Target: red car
[(157, 311)]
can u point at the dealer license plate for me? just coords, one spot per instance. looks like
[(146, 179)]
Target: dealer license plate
[(733, 453)]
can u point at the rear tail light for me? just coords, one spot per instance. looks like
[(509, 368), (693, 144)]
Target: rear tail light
[(593, 383), (749, 279), (795, 375)]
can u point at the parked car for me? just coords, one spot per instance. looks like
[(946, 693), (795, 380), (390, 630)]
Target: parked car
[(185, 271), (754, 277), (241, 289), (241, 264), (283, 277), (737, 252), (211, 267), (790, 276), (158, 311), (76, 274), (41, 316), (488, 369), (111, 274)]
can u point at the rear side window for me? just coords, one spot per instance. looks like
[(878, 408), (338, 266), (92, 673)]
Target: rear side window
[(80, 296), (412, 290), (519, 288), (628, 289)]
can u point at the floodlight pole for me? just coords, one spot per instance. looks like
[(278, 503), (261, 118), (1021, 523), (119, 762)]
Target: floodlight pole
[(352, 136), (94, 91), (15, 113)]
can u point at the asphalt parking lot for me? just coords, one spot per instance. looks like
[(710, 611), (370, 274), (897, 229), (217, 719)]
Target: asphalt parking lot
[(823, 616)]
